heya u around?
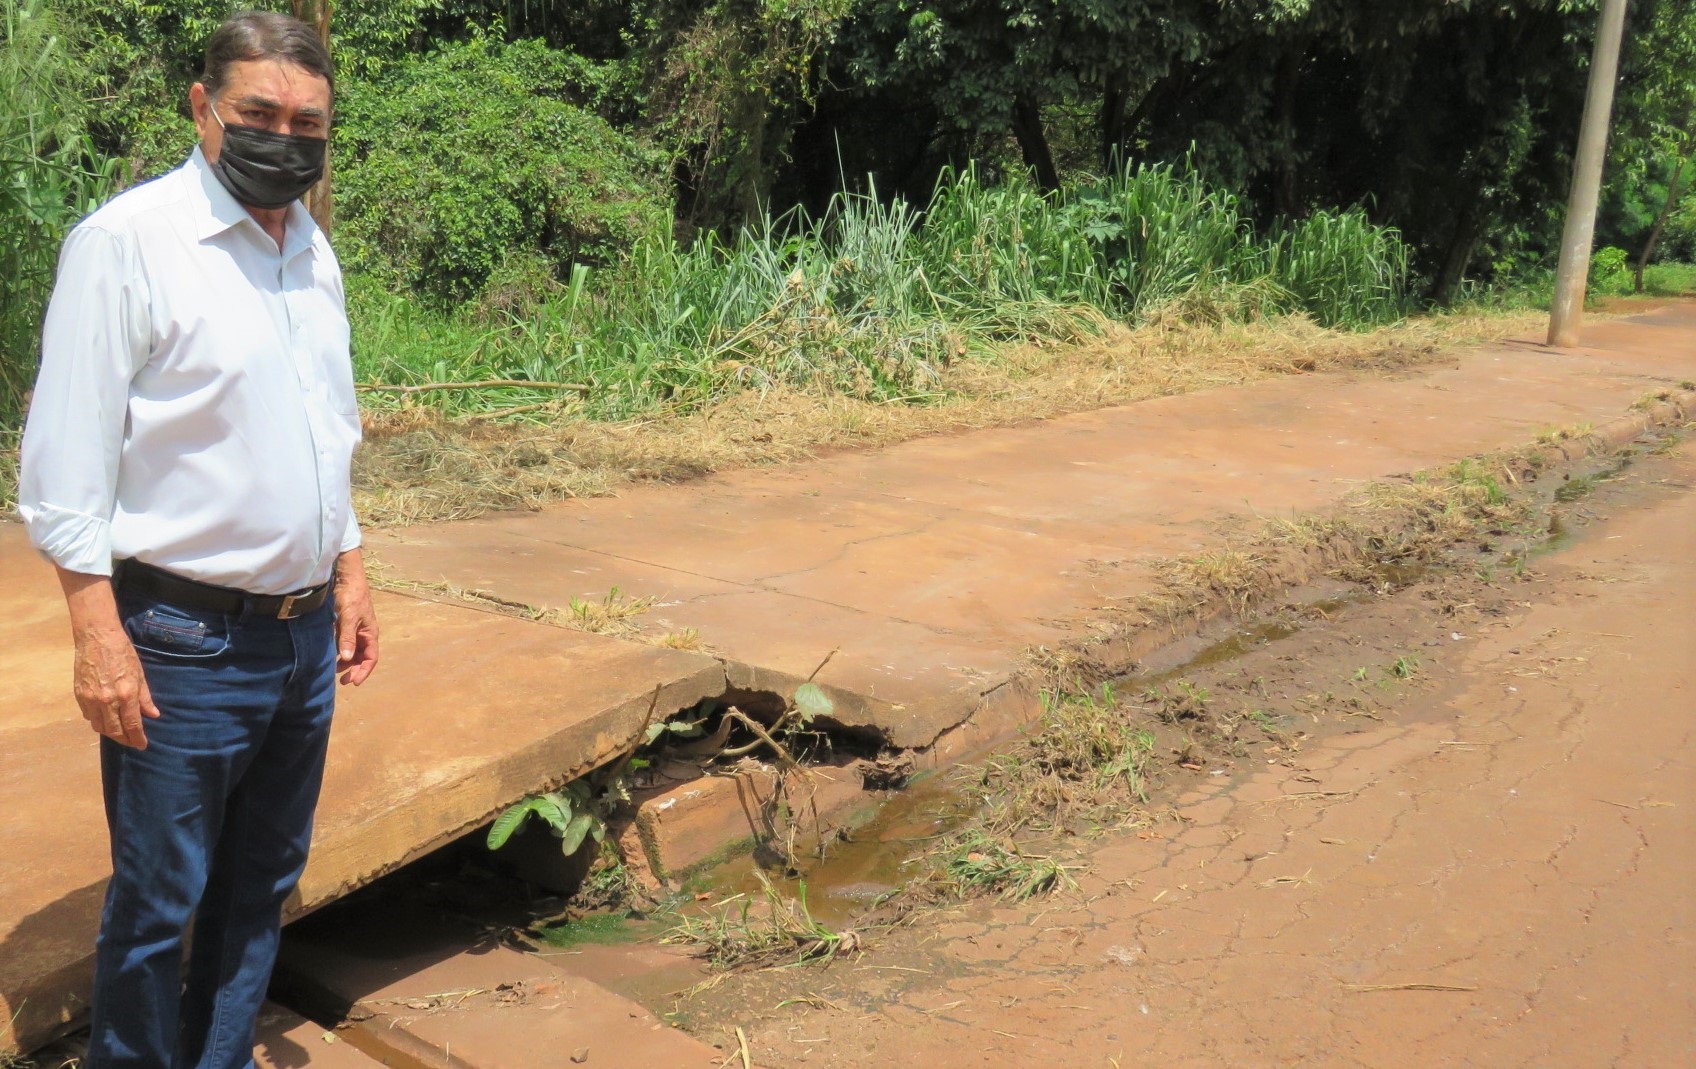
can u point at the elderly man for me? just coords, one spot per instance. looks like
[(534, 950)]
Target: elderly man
[(185, 467)]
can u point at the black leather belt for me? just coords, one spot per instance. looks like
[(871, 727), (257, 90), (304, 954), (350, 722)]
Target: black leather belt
[(193, 594)]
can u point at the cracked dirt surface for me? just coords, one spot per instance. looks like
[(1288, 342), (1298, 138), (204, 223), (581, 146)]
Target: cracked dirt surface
[(1494, 868)]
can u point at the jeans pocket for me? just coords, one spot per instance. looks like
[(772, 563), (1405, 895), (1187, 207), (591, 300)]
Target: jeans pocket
[(176, 632)]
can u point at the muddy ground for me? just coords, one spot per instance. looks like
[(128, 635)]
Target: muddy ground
[(1452, 823)]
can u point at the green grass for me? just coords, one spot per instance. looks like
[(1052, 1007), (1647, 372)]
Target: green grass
[(874, 299), (1670, 280)]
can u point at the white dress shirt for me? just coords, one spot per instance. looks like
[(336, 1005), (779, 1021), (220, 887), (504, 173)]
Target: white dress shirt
[(195, 407)]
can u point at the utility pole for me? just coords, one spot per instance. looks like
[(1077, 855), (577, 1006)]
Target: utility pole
[(316, 13), (1567, 304)]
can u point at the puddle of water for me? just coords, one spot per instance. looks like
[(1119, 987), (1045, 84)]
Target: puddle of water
[(872, 863), (1239, 643), (877, 859)]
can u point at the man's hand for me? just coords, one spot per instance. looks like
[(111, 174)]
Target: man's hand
[(107, 677), (356, 620)]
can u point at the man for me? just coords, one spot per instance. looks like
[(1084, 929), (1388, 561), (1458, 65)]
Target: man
[(185, 467)]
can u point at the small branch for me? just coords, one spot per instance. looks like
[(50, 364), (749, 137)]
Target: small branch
[(641, 736), (783, 757), (484, 384), (497, 413), (822, 663)]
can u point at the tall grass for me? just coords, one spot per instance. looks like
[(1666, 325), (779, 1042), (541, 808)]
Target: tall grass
[(1341, 269), (48, 179), (874, 298)]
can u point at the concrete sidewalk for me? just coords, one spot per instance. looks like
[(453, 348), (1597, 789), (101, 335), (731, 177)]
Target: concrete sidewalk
[(933, 566)]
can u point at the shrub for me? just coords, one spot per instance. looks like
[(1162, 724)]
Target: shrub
[(1609, 272), (1341, 269), (475, 152), (49, 177)]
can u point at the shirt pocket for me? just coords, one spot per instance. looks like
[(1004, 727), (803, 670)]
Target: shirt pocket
[(169, 631)]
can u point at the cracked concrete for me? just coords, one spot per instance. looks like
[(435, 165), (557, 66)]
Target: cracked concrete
[(1500, 876)]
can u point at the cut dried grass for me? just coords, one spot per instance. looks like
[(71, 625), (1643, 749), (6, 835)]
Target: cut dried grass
[(1376, 530), (417, 466), (768, 930), (614, 614)]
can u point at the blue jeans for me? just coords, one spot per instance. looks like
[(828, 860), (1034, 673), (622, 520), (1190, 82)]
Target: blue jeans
[(211, 821)]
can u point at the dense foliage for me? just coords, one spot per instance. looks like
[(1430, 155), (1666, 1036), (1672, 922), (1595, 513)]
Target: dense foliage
[(873, 300), (492, 155), (484, 147), (48, 177)]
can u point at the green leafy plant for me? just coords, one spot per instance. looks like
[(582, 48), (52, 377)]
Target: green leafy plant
[(572, 814)]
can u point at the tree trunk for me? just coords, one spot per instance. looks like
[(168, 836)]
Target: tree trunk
[(1284, 188), (316, 13), (1153, 100), (1661, 219), (1033, 144), (1462, 243), (1111, 123)]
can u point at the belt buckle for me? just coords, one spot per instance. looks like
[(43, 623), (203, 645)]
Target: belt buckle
[(286, 612)]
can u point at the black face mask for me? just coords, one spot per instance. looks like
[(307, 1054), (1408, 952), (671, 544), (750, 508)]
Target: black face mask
[(266, 170)]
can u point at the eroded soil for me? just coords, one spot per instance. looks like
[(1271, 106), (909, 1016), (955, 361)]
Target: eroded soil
[(1456, 827)]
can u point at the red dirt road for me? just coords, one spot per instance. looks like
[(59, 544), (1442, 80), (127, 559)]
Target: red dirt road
[(1522, 839)]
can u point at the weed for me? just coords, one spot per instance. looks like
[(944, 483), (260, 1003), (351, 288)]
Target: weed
[(1650, 400), (770, 930), (609, 616), (1084, 761), (1474, 479), (1571, 490), (1183, 701), (688, 639), (984, 864), (1405, 667), (573, 814), (1669, 443)]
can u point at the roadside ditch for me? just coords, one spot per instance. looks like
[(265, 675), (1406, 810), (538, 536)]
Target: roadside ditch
[(754, 830)]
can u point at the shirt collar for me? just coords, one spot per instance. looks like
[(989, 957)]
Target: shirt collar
[(216, 211)]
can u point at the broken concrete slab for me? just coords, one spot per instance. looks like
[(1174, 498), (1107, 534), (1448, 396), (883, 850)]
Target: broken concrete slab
[(704, 819), (426, 990), (936, 563), (469, 712)]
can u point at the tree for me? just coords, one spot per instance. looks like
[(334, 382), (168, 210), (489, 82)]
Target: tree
[(1662, 126)]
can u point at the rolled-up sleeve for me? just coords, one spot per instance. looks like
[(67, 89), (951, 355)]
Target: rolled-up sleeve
[(96, 337)]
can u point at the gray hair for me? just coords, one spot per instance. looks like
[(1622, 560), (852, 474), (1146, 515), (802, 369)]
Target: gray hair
[(250, 35)]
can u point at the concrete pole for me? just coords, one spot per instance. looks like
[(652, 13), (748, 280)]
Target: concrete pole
[(1566, 307)]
